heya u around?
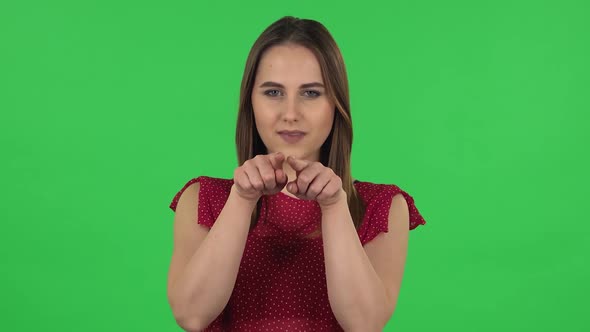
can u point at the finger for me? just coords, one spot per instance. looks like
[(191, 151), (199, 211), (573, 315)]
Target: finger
[(242, 181), (254, 177), (297, 164), (281, 178), (330, 189), (307, 176), (277, 159), (267, 173), (318, 184), (292, 187)]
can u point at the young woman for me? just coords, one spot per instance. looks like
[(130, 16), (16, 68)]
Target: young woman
[(291, 243)]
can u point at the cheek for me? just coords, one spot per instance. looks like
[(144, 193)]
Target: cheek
[(264, 121), (328, 117), (327, 127)]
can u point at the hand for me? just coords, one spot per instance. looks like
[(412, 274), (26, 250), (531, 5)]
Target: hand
[(261, 175), (314, 181)]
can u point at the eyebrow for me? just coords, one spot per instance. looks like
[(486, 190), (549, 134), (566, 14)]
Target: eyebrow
[(279, 85)]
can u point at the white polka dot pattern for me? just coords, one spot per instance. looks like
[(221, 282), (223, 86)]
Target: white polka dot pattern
[(281, 283)]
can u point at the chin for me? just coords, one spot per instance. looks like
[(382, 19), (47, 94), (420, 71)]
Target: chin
[(297, 152)]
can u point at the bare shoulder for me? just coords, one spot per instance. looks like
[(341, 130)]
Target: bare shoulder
[(188, 203), (191, 191), (187, 215)]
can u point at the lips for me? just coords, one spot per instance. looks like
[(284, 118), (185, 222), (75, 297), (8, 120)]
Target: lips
[(291, 132), (291, 136)]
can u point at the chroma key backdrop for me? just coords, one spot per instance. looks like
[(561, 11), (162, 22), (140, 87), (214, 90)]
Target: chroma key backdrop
[(478, 109)]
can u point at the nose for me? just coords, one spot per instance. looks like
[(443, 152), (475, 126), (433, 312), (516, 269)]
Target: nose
[(291, 111)]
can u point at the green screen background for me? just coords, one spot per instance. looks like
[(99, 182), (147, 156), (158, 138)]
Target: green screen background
[(478, 109)]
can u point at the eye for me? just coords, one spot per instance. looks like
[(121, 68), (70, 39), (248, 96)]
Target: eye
[(272, 93), (312, 93)]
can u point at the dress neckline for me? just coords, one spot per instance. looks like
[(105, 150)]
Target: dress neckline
[(280, 193)]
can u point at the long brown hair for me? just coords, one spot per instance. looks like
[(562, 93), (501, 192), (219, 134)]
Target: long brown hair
[(334, 153)]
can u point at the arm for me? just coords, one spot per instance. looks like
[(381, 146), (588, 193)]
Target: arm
[(205, 263), (363, 283)]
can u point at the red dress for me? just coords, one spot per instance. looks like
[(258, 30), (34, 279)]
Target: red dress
[(281, 282)]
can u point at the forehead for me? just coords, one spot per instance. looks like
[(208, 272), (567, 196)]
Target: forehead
[(289, 64)]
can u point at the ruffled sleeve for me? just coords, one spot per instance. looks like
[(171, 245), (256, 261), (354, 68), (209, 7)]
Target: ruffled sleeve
[(378, 202), (213, 194)]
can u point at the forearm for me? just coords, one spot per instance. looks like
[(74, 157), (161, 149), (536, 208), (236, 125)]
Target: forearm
[(205, 286), (356, 294)]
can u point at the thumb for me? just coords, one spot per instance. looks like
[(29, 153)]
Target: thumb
[(297, 164), (281, 178)]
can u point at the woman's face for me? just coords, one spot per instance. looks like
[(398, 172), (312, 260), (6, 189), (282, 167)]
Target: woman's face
[(289, 95)]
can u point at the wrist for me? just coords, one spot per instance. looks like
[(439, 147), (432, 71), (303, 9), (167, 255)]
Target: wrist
[(338, 202), (250, 203)]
